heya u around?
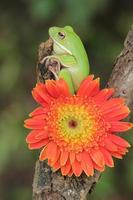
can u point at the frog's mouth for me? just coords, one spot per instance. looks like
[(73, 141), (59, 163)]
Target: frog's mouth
[(60, 49)]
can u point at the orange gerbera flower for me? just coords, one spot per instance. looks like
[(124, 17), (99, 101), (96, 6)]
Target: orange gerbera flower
[(77, 132)]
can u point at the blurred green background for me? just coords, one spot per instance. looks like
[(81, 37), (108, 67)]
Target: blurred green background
[(102, 26)]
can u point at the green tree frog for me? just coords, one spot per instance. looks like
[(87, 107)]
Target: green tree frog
[(69, 50)]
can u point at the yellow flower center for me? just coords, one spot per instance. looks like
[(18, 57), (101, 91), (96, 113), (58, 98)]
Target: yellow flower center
[(75, 123)]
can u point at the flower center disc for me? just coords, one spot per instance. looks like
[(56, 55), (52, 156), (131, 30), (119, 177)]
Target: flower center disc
[(72, 123), (76, 122)]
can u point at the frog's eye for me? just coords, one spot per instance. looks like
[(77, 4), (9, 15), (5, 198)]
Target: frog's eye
[(61, 35)]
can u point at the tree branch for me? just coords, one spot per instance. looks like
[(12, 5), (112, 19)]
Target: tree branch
[(53, 186)]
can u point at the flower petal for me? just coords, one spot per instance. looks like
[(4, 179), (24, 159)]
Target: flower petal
[(86, 164), (111, 104), (117, 113), (63, 158), (91, 89), (97, 157), (76, 167), (116, 155), (57, 88), (36, 135), (120, 126), (39, 144), (72, 157), (84, 167), (64, 89), (97, 167), (109, 145), (34, 123), (122, 150), (119, 141), (79, 156), (38, 98), (41, 95), (51, 150), (84, 85), (103, 95), (31, 137), (39, 117), (43, 154), (38, 111), (66, 168), (56, 157), (70, 173), (107, 157), (52, 88), (56, 166)]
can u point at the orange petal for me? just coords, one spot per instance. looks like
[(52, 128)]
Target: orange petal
[(52, 88), (40, 117), (34, 123), (76, 167), (122, 150), (83, 165), (56, 158), (117, 117), (111, 104), (36, 135), (43, 154), (56, 166), (50, 162), (42, 134), (120, 126), (51, 150), (117, 114), (103, 95), (41, 90), (63, 158), (97, 157), (107, 157), (70, 173), (38, 98), (31, 137), (85, 85), (38, 111), (92, 89), (109, 145), (119, 141), (86, 164), (39, 144), (113, 109), (64, 89), (72, 157), (116, 155), (79, 156), (66, 168), (97, 167)]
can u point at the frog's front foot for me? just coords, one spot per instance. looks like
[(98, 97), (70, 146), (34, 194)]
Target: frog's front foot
[(54, 66)]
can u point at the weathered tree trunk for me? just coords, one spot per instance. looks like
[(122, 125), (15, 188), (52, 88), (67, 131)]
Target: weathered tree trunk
[(53, 186)]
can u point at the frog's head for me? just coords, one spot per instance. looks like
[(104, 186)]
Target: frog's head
[(62, 39)]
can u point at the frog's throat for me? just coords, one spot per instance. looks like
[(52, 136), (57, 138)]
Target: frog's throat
[(62, 47)]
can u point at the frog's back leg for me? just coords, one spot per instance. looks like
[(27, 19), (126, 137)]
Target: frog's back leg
[(65, 74)]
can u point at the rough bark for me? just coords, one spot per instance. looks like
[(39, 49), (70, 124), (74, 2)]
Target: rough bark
[(53, 186)]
